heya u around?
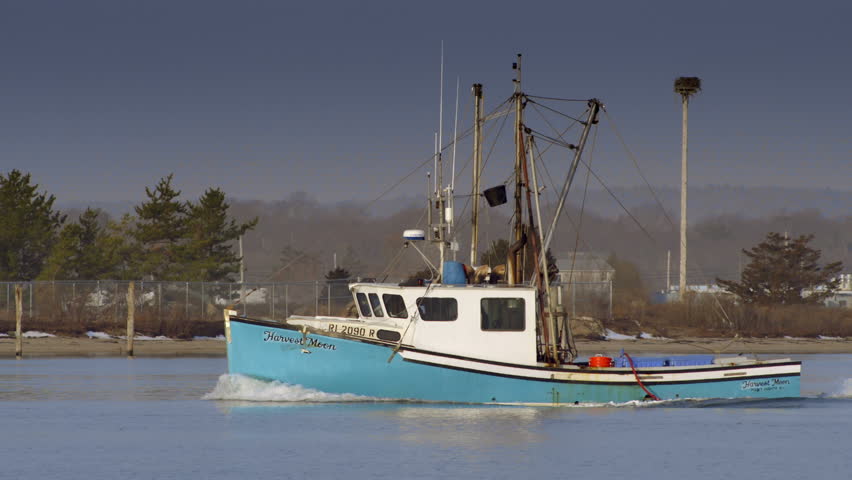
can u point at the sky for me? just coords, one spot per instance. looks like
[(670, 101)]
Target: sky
[(99, 99)]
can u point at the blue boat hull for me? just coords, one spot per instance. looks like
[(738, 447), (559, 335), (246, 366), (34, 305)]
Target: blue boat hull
[(337, 365)]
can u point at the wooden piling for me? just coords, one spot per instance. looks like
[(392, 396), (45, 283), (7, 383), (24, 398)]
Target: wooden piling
[(19, 313), (131, 310)]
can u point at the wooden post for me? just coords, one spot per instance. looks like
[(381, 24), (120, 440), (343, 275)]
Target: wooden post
[(19, 312), (131, 310)]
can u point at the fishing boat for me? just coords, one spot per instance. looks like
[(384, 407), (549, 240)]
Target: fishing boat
[(479, 335)]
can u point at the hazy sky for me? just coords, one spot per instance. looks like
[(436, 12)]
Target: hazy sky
[(263, 98)]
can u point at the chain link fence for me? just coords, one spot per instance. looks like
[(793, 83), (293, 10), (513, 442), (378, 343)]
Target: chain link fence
[(172, 309), (586, 299), (189, 309)]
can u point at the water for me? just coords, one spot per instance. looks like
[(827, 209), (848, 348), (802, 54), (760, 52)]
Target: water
[(149, 418)]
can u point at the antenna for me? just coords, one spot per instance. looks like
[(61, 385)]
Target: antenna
[(455, 137), (441, 105), (435, 167)]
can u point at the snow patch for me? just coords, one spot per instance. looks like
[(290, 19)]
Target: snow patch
[(610, 335), (4, 334), (146, 337), (648, 336), (822, 337), (36, 334), (100, 335), (240, 387)]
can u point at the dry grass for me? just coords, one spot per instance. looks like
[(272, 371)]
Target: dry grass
[(700, 316), (705, 316)]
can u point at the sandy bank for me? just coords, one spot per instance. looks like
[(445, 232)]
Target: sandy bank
[(86, 347), (94, 347)]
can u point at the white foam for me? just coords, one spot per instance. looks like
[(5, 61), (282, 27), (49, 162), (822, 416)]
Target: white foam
[(631, 403), (610, 335), (240, 387), (217, 337), (36, 334), (100, 335), (845, 390)]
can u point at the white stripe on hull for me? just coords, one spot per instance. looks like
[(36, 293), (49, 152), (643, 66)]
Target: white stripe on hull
[(655, 375)]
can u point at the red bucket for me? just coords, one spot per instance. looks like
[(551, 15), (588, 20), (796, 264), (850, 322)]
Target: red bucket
[(599, 361)]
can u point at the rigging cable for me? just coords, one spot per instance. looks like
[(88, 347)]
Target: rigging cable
[(606, 187), (717, 303), (582, 206), (558, 99), (484, 163), (554, 111), (419, 166)]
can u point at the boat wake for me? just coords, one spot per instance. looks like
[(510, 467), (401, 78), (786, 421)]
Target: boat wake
[(845, 390), (242, 388)]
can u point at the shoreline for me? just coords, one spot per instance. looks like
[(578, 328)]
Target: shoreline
[(94, 347)]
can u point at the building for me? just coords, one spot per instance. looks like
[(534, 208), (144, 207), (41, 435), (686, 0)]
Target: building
[(588, 267), (586, 280), (843, 296)]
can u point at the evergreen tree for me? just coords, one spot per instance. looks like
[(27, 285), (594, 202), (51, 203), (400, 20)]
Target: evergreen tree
[(84, 251), (161, 227), (337, 286), (209, 252), (337, 274), (118, 248), (29, 229), (785, 271)]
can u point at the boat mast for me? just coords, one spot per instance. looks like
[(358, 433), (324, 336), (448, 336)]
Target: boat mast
[(477, 162), (451, 188), (543, 277), (517, 275), (594, 107), (439, 228)]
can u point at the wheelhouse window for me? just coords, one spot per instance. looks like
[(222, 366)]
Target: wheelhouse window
[(395, 305), (363, 305), (503, 314), (437, 309), (377, 305)]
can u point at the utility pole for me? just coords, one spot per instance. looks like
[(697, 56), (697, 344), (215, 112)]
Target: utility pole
[(668, 271), (686, 87), (477, 162)]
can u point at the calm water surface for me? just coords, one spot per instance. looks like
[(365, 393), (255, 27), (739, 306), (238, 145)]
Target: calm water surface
[(157, 418)]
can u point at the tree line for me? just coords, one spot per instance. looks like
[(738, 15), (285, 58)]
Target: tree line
[(166, 238)]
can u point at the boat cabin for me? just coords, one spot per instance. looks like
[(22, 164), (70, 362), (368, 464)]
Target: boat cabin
[(489, 322)]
